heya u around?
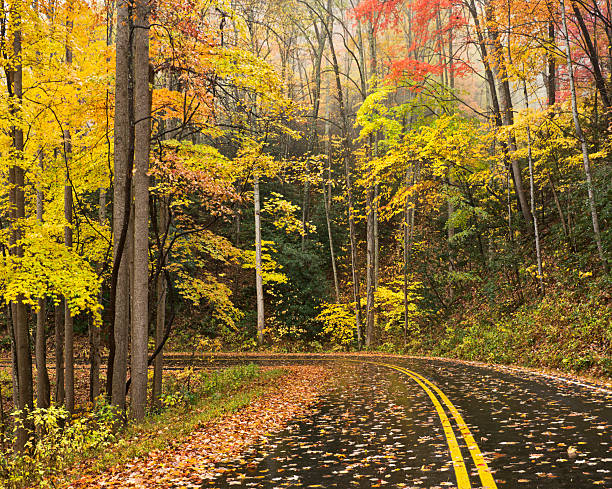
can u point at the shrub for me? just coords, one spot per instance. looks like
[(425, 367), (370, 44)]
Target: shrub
[(58, 440)]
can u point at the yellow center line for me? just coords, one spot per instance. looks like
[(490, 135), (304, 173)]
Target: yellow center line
[(483, 469), (463, 480)]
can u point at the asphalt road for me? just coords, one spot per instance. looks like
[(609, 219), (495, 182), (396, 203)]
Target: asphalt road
[(415, 423)]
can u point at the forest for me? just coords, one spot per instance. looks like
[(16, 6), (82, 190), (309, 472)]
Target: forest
[(402, 176)]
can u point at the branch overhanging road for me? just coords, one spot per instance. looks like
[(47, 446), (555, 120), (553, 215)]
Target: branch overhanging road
[(415, 423)]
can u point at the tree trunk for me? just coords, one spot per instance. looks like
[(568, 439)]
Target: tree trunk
[(94, 330), (347, 176), (14, 362), (585, 149), (327, 198), (564, 225), (551, 76), (511, 162), (408, 229), (508, 119), (43, 388), (68, 319), (60, 393), (142, 142), (316, 102), (23, 357), (369, 268), (450, 234), (121, 204), (160, 316), (371, 214), (591, 51), (376, 238), (484, 55), (258, 264), (532, 197)]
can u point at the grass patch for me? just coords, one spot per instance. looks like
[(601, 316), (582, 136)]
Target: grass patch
[(227, 391)]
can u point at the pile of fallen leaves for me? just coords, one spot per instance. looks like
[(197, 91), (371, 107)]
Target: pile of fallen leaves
[(193, 461)]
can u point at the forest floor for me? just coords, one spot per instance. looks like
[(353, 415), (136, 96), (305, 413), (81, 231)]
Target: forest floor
[(222, 428)]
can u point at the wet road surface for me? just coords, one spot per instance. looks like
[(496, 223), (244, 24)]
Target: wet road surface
[(379, 427)]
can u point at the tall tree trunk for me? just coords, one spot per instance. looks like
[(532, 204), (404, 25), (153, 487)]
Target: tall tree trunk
[(14, 360), (369, 267), (511, 163), (405, 274), (408, 230), (316, 102), (43, 388), (564, 223), (142, 142), (60, 393), (484, 56), (591, 51), (376, 237), (94, 330), (121, 204), (375, 75), (585, 149), (371, 214), (551, 75), (160, 316), (68, 319), (532, 197), (508, 117), (23, 357), (327, 198), (258, 264), (450, 206), (347, 176)]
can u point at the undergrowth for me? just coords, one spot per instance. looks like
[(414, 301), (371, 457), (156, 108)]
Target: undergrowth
[(569, 330), (62, 444)]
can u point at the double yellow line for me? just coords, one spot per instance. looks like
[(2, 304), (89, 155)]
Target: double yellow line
[(463, 480)]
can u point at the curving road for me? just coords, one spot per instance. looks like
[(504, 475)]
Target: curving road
[(414, 423)]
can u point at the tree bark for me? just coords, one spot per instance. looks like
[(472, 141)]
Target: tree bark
[(68, 203), (142, 142), (370, 267), (160, 316), (327, 198), (408, 230), (121, 203), (258, 263), (532, 197), (510, 162), (585, 149), (68, 319), (23, 357), (593, 55), (347, 176), (94, 330), (14, 360), (43, 388), (371, 253), (508, 119), (551, 75), (60, 393), (316, 99)]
